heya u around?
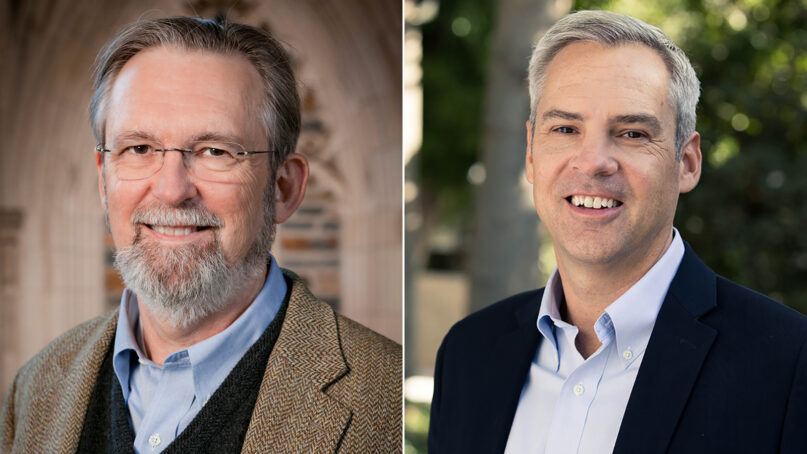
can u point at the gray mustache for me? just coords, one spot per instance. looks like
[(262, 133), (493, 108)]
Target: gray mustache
[(175, 216)]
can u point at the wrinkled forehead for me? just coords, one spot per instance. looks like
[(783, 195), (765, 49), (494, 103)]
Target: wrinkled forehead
[(621, 78), (172, 93)]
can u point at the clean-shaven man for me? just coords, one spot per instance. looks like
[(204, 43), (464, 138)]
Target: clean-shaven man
[(634, 345), (215, 348)]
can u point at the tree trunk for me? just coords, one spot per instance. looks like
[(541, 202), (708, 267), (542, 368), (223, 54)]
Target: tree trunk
[(506, 242)]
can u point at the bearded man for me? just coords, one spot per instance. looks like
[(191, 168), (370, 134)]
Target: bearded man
[(214, 348)]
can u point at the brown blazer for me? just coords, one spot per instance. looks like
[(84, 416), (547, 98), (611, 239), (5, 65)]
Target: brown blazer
[(330, 385)]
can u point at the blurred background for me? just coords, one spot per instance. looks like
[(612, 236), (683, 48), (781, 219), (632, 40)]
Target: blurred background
[(472, 234), (346, 238)]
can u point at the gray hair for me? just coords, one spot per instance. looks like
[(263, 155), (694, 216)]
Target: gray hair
[(280, 108), (612, 29)]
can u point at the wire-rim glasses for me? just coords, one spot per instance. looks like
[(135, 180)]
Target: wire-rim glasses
[(212, 161)]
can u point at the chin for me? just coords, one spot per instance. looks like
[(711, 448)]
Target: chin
[(594, 254)]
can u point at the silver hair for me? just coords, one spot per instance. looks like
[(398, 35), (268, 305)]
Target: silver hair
[(612, 29), (280, 108)]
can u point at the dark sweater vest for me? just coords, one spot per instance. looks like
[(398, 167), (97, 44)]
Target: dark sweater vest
[(219, 427)]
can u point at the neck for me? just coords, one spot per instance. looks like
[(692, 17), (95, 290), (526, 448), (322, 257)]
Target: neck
[(588, 289), (161, 338)]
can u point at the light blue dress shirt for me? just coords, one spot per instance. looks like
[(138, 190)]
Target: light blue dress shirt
[(163, 400), (573, 405)]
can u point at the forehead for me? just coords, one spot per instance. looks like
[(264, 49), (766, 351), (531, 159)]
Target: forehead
[(173, 93), (588, 76)]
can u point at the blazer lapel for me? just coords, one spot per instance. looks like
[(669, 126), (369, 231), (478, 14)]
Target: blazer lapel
[(673, 359), (294, 412), (509, 361)]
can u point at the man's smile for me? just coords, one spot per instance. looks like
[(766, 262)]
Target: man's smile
[(176, 232), (595, 202)]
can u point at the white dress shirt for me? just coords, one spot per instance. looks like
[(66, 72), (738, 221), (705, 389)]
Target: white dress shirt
[(573, 405)]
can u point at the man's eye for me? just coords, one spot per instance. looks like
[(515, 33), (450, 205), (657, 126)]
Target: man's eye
[(635, 135), (138, 149), (565, 130), (216, 152)]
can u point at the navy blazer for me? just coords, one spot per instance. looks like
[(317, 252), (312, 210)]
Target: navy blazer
[(725, 371)]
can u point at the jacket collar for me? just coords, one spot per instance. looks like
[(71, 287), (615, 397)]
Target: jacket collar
[(293, 406), (675, 354)]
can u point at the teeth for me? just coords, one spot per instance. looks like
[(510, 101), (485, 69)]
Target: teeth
[(593, 202), (173, 231)]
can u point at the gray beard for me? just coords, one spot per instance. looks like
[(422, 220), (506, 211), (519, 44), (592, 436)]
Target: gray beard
[(184, 285)]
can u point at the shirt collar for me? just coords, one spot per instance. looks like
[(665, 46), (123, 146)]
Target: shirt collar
[(213, 358), (634, 313), (630, 317), (549, 313)]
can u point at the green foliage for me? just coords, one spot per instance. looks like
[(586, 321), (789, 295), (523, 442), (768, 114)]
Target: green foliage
[(745, 217), (455, 54), (417, 427)]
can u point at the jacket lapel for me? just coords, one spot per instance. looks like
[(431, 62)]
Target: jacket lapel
[(509, 361), (673, 359), (294, 412)]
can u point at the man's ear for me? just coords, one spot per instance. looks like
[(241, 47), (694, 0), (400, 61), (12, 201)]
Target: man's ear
[(528, 162), (290, 180), (690, 165)]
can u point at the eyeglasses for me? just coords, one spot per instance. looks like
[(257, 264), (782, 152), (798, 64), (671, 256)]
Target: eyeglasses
[(211, 161)]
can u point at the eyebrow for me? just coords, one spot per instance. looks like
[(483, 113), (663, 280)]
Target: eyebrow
[(648, 120), (134, 135), (203, 137), (562, 114), (215, 137)]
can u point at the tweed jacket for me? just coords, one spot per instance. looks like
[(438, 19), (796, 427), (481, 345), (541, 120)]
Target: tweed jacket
[(331, 385)]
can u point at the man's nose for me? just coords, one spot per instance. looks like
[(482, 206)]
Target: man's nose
[(172, 183), (595, 157)]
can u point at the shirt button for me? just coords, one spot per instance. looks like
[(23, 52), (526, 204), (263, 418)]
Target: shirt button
[(627, 354), (578, 390), (154, 440)]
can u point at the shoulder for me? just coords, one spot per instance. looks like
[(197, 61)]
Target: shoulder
[(758, 341), (66, 353), (752, 315), (373, 381), (497, 319), (741, 316), (369, 372), (310, 318), (50, 392), (751, 300), (311, 324), (367, 349)]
